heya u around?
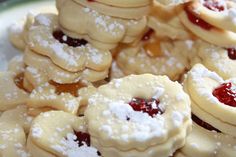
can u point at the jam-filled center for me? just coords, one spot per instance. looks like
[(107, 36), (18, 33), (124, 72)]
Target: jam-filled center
[(68, 88), (204, 124), (214, 5), (62, 38), (196, 20), (232, 53), (226, 94), (149, 106), (83, 139)]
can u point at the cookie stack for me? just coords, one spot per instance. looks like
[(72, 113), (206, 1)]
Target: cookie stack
[(104, 23), (81, 87)]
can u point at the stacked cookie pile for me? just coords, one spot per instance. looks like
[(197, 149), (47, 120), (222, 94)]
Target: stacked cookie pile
[(81, 86)]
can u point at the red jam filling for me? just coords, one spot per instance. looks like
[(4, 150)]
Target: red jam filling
[(147, 35), (84, 138), (62, 38), (225, 94), (149, 106), (203, 124), (232, 53), (213, 5), (196, 20)]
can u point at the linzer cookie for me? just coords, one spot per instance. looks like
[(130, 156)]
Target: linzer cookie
[(15, 124), (12, 92), (99, 28), (164, 20), (222, 60), (60, 134), (213, 99), (70, 54), (143, 115), (155, 56), (211, 20)]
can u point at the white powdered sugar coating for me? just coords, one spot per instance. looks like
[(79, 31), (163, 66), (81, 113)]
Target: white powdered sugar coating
[(145, 126), (199, 75), (36, 131), (103, 22), (69, 148), (178, 118), (232, 15), (43, 20)]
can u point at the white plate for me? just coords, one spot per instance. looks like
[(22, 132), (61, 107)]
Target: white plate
[(9, 16)]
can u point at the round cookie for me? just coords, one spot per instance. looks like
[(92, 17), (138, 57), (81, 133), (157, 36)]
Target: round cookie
[(60, 134), (213, 99), (205, 143), (210, 21), (218, 59), (139, 115), (80, 55), (156, 57), (172, 2)]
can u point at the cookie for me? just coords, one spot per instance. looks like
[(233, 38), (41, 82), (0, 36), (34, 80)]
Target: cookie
[(156, 57), (60, 134), (43, 39), (99, 29), (166, 24), (172, 2), (219, 59), (206, 143), (12, 93), (129, 10), (115, 71), (15, 124), (41, 69), (211, 21), (57, 96), (138, 115), (212, 98)]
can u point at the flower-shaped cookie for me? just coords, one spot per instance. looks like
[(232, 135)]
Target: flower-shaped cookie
[(211, 20), (73, 55), (12, 92), (102, 31), (60, 134), (156, 57), (139, 115), (15, 125), (41, 69), (213, 99)]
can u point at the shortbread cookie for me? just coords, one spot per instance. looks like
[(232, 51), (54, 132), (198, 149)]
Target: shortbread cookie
[(156, 57), (16, 65), (206, 143), (11, 95), (115, 71), (212, 98), (218, 59), (57, 96), (41, 69), (172, 2), (164, 20), (101, 30), (73, 56), (60, 134), (211, 21), (127, 12), (139, 115), (15, 124)]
